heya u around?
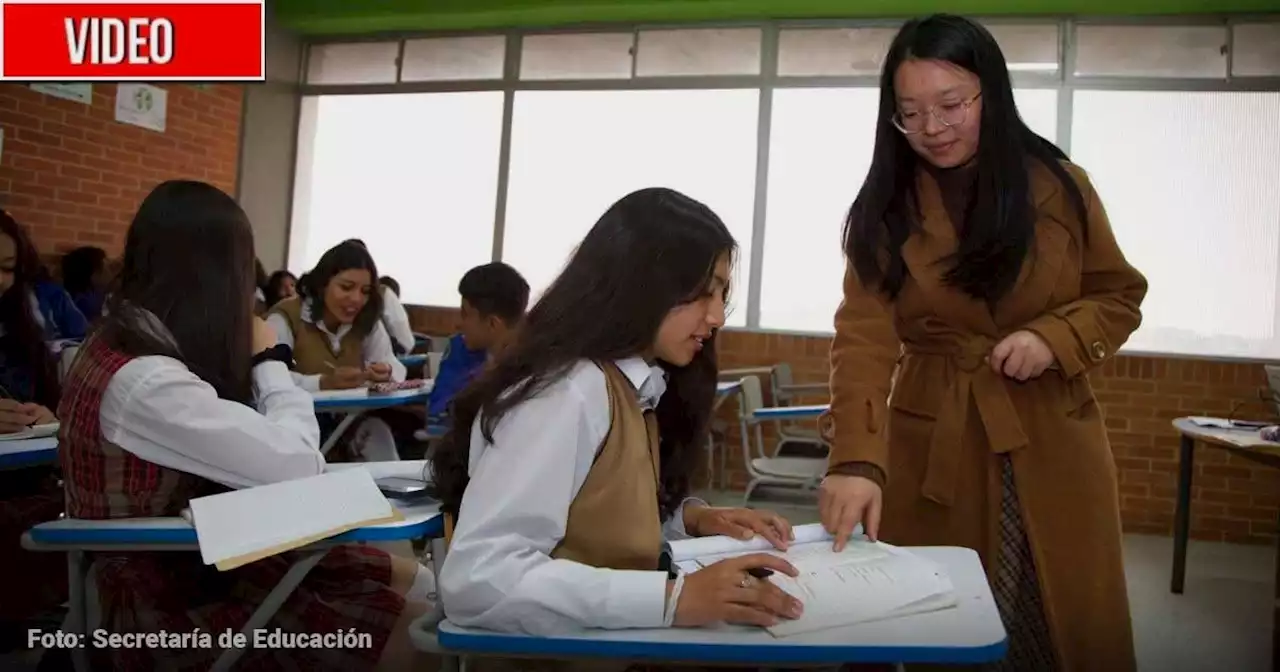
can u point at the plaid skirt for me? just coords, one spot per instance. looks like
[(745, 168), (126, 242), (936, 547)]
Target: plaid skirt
[(347, 591), (31, 497)]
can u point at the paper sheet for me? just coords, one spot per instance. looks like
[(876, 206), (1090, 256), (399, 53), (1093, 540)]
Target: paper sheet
[(239, 527)]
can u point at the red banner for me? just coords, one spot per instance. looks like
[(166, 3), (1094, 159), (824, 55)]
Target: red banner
[(134, 41)]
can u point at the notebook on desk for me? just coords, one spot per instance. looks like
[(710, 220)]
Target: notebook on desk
[(238, 527), (867, 581)]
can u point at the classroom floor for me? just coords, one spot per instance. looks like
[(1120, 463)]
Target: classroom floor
[(1222, 621)]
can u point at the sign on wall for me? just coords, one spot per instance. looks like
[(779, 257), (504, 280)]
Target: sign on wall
[(141, 105), (78, 91)]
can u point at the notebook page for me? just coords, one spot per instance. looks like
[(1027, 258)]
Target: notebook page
[(415, 469), (237, 527), (701, 547), (839, 589)]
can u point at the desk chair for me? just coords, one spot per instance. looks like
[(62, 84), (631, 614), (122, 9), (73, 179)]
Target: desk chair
[(795, 438), (803, 473)]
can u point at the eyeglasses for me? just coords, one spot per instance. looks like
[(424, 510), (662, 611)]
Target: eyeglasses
[(947, 114)]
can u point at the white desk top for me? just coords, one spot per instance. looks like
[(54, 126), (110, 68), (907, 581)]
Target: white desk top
[(28, 452), (357, 399), (969, 633)]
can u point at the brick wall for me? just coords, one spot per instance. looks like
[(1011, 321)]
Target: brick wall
[(1233, 500), (74, 176)]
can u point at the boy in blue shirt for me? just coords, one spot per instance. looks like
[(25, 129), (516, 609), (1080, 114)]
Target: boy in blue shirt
[(494, 298)]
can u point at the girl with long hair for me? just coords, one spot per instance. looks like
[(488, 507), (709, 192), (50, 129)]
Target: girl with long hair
[(570, 456), (982, 267), (183, 392)]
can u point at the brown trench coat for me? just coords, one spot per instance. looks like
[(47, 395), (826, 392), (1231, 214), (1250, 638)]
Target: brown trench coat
[(949, 414)]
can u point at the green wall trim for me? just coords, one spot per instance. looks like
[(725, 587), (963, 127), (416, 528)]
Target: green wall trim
[(354, 17)]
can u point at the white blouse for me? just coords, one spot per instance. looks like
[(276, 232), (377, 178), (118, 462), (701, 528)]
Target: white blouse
[(161, 412), (396, 320), (376, 347), (499, 573)]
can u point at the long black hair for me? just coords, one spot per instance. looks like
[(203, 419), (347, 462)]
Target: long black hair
[(344, 256), (1000, 221), (24, 341), (79, 266), (188, 262), (652, 251), (273, 291)]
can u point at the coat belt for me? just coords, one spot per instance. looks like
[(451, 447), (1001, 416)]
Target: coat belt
[(974, 379)]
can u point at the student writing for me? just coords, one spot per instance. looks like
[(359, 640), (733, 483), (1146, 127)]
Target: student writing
[(338, 341), (571, 454), (182, 392)]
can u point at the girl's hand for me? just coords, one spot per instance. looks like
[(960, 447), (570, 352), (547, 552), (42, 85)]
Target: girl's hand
[(707, 521), (726, 593), (845, 501), (1022, 355), (16, 416), (380, 372)]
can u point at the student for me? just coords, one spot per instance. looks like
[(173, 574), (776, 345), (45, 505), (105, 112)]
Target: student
[(54, 311), (85, 277), (494, 298), (181, 393), (281, 285), (29, 393), (571, 456), (338, 340)]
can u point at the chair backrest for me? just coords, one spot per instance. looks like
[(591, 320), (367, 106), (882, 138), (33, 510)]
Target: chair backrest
[(439, 344), (779, 378), (433, 364), (752, 397)]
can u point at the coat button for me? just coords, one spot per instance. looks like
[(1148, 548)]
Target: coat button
[(1099, 350)]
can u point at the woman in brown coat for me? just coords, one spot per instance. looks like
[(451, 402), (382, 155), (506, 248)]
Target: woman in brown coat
[(983, 269)]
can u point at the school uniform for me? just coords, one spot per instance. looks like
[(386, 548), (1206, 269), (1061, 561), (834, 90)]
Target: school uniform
[(141, 437), (395, 319), (458, 366), (316, 349), (559, 528), (56, 312)]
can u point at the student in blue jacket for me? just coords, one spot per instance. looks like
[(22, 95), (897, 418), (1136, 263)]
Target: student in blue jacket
[(54, 311), (494, 298)]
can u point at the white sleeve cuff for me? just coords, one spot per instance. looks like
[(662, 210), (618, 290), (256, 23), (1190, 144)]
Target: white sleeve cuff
[(272, 376), (637, 599), (673, 530), (308, 383)]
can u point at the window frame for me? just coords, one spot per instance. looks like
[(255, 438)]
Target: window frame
[(1064, 80)]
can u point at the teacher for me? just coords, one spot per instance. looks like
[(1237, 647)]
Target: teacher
[(982, 267)]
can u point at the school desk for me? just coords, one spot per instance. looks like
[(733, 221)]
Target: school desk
[(790, 412), (1221, 439), (28, 452), (352, 404), (413, 359), (970, 633), (76, 537), (724, 390)]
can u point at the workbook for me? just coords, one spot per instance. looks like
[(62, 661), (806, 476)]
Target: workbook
[(238, 527), (867, 581)]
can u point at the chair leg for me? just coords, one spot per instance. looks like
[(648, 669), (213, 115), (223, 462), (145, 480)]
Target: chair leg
[(746, 496)]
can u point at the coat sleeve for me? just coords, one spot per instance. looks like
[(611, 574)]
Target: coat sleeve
[(863, 357), (1083, 333)]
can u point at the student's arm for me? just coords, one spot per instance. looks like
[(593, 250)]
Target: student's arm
[(396, 319), (499, 573), (284, 334), (450, 377), (161, 412), (377, 350)]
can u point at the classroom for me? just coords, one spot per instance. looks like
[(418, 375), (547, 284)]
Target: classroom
[(653, 334)]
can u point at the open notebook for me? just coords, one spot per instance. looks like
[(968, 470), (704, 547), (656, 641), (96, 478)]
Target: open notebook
[(867, 581), (238, 527)]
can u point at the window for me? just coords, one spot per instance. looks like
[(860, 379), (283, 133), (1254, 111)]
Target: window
[(574, 153), (352, 63), (706, 51), (1194, 204), (1151, 51), (1255, 50), (833, 51), (413, 175), (453, 58), (819, 152), (577, 56)]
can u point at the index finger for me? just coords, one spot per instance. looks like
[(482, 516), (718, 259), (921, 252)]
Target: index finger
[(762, 560), (762, 524)]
